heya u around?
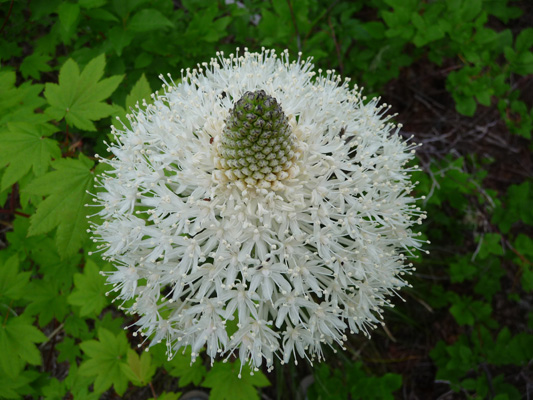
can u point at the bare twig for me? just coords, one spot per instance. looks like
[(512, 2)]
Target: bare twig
[(298, 41), (337, 46), (7, 16)]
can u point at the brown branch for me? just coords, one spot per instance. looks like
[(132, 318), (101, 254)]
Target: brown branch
[(153, 390), (298, 43), (337, 46), (7, 16)]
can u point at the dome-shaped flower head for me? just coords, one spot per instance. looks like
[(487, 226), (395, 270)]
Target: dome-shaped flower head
[(257, 209)]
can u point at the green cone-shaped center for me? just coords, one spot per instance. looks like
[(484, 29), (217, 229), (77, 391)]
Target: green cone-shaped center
[(257, 143)]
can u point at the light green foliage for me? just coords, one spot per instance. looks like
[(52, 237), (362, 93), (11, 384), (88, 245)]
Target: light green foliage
[(31, 139), (139, 370), (47, 300), (35, 64), (18, 103), (79, 97), (225, 383), (68, 350), (181, 367), (139, 92), (17, 386), (148, 19), (64, 207), (89, 292), (17, 344), (69, 14), (105, 359)]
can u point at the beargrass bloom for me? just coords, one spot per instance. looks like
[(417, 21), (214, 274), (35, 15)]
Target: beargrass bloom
[(257, 209)]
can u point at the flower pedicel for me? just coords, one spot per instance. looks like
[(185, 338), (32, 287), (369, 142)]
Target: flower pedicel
[(260, 192)]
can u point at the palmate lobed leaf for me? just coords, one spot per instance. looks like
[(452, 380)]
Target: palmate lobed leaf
[(17, 344), (47, 300), (89, 293), (18, 103), (79, 97), (25, 146), (13, 387), (180, 366), (139, 370), (148, 19), (35, 64), (224, 381), (140, 91), (12, 282), (105, 359), (64, 207)]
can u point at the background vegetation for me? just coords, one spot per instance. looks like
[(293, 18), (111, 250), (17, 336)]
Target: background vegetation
[(457, 72)]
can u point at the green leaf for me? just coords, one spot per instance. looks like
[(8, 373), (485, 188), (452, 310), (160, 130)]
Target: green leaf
[(491, 244), (125, 7), (18, 103), (466, 311), (12, 282), (148, 19), (24, 146), (225, 383), (47, 300), (373, 387), (64, 208), (34, 64), (77, 327), (105, 357), (141, 90), (78, 385), (110, 323), (462, 270), (68, 16), (101, 14), (168, 396), (92, 3), (54, 390), (120, 38), (465, 105), (524, 40), (17, 344), (329, 382), (79, 97), (180, 366), (89, 292), (68, 350), (143, 60), (490, 273), (46, 256), (140, 370), (14, 387)]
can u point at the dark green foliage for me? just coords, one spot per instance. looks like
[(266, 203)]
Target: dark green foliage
[(353, 383), (69, 68)]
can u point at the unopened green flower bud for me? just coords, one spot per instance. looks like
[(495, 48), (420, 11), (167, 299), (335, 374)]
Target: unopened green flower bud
[(257, 144)]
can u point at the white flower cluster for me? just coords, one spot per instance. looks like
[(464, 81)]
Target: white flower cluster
[(257, 271)]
